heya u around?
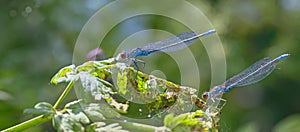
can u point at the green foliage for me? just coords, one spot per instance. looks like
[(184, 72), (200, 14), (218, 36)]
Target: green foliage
[(92, 75), (42, 108), (33, 45), (65, 123), (61, 75), (291, 123), (122, 82), (100, 127), (194, 121), (76, 112), (88, 114)]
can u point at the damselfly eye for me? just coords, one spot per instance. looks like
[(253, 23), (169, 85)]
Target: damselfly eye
[(205, 95), (123, 55)]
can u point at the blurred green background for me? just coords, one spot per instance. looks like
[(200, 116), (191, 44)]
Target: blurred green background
[(37, 38)]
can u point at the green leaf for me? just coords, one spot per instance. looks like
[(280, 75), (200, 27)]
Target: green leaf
[(168, 121), (42, 108), (171, 121), (76, 112), (194, 121), (107, 61), (94, 111), (182, 128), (87, 67), (122, 81), (105, 83), (289, 124), (98, 112), (62, 75), (74, 105), (92, 86), (65, 123), (95, 68), (102, 127), (142, 84), (120, 107)]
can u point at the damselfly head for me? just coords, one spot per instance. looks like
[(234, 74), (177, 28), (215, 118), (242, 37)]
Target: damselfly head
[(122, 55), (205, 95)]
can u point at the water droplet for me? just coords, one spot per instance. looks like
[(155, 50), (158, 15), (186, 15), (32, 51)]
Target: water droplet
[(13, 13), (28, 9), (149, 115), (140, 110)]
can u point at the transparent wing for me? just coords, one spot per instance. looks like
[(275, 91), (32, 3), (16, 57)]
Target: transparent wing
[(256, 72), (175, 43)]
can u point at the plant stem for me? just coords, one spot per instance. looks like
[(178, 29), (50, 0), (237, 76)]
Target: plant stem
[(27, 124), (40, 119), (64, 94)]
